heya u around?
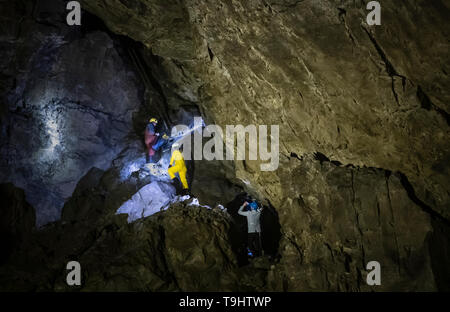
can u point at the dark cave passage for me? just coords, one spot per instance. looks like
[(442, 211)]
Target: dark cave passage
[(270, 229)]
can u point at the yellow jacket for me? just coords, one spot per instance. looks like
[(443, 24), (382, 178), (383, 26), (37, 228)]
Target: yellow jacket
[(179, 160)]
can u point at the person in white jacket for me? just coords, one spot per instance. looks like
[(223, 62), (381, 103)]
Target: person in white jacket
[(253, 215)]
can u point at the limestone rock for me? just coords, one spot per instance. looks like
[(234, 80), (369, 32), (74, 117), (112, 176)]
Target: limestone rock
[(150, 199), (359, 215), (69, 107)]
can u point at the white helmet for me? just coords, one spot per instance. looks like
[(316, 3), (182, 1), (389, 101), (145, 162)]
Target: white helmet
[(176, 145)]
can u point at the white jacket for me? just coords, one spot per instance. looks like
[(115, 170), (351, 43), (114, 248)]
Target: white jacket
[(253, 217)]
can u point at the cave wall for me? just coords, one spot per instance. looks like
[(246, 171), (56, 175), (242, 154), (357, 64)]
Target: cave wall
[(17, 220), (328, 236), (371, 97), (187, 247), (338, 218), (371, 101), (367, 96), (68, 98)]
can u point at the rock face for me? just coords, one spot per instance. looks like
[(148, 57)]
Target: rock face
[(186, 247), (333, 223), (359, 215), (364, 150), (367, 96), (68, 100), (150, 199)]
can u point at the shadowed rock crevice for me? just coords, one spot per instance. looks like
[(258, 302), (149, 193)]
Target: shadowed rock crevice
[(186, 247), (426, 103), (405, 183), (17, 220), (412, 195), (144, 67), (390, 70), (270, 227)]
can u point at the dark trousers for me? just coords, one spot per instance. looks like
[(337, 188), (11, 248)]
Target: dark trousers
[(254, 243), (160, 142)]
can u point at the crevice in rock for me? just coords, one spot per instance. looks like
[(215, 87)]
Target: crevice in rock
[(295, 155), (132, 53), (210, 53), (77, 105), (412, 195), (36, 19), (439, 247), (321, 157), (389, 67), (162, 245), (330, 250), (151, 83), (387, 174), (297, 247), (342, 14), (427, 104), (390, 70), (285, 4)]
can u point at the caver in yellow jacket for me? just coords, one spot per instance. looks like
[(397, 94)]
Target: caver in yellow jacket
[(179, 167)]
